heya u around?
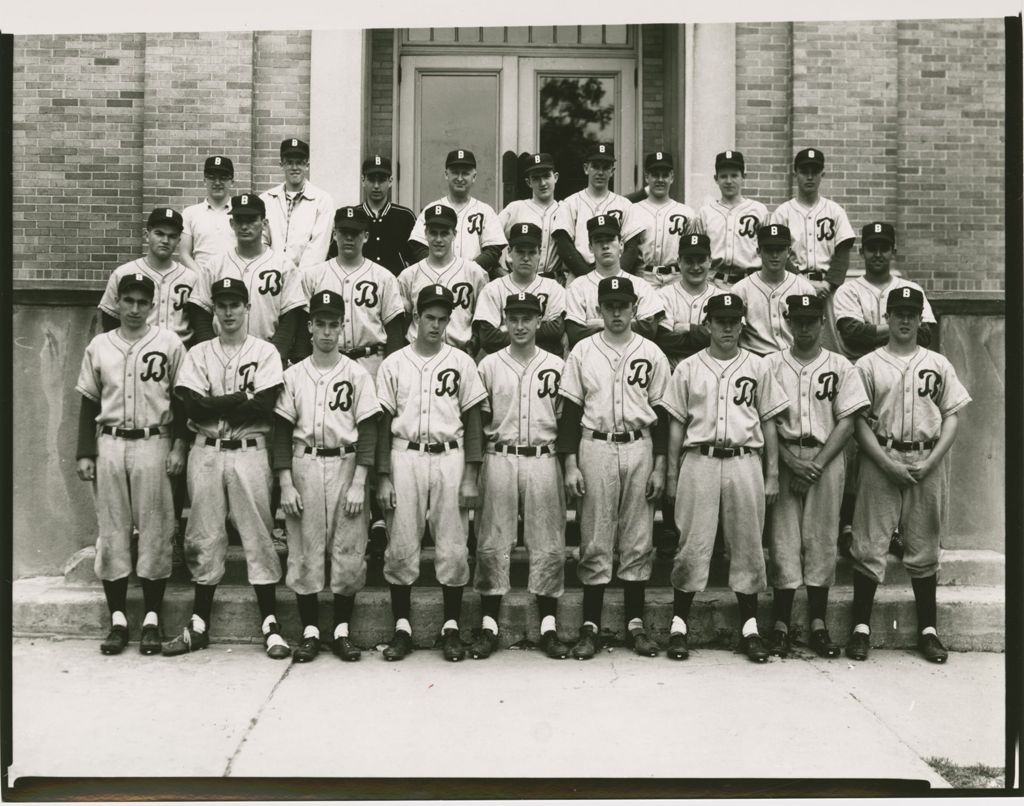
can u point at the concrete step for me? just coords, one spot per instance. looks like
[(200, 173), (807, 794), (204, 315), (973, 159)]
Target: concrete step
[(970, 617)]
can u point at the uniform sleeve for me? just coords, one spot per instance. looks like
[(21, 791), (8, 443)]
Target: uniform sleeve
[(850, 396), (285, 407), (571, 387), (493, 234), (471, 390), (676, 400), (505, 219), (200, 296), (555, 305), (864, 370), (479, 279), (650, 304), (844, 231), (771, 397), (954, 395), (89, 375), (176, 359), (692, 224), (846, 305), (632, 224), (387, 387), (405, 289), (391, 298), (927, 315), (193, 374), (659, 379), (667, 322), (487, 309), (269, 371), (292, 295), (486, 370), (366, 404), (108, 302), (565, 219), (419, 230), (575, 309)]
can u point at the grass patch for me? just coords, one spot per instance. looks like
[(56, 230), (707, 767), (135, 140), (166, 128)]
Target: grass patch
[(973, 776)]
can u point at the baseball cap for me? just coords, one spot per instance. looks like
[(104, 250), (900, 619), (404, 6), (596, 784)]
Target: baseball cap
[(327, 301), (350, 218), (725, 305), (905, 297), (165, 215), (733, 159), (460, 156), (377, 165), (440, 214), (219, 165), (603, 225), (613, 289), (523, 301), (524, 233), (434, 295), (878, 231), (774, 235), (808, 305), (658, 159), (695, 244), (294, 146), (539, 162), (136, 280), (809, 156), (600, 151), (229, 287), (248, 203)]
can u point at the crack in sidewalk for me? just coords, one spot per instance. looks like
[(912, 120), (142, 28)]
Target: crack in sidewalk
[(255, 720)]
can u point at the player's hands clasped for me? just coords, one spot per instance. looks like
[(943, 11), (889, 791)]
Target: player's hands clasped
[(899, 474), (86, 469), (807, 470), (821, 287), (291, 501)]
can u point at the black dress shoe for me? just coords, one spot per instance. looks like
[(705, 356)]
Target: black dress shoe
[(484, 645), (307, 650), (932, 649), (275, 649), (188, 641), (116, 640), (399, 647), (587, 644), (552, 646), (822, 643), (858, 646), (677, 646), (754, 648), (642, 643), (451, 645), (150, 642), (349, 652), (780, 643)]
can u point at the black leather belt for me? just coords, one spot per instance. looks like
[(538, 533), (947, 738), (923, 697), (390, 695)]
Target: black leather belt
[(130, 433), (723, 453), (729, 278), (363, 352), (817, 276), (804, 442), (619, 436), (432, 447), (906, 447), (232, 444), (523, 450), (663, 269), (343, 450)]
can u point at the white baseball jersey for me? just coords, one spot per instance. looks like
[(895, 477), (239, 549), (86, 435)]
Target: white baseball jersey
[(574, 212), (477, 227), (683, 306), (663, 225), (528, 211), (326, 406), (821, 393), (301, 230), (132, 380), (617, 387), (173, 289), (427, 396), (722, 403), (211, 370), (733, 232), (581, 298), (522, 398), (910, 395), (765, 329), (864, 302), (815, 231), (464, 278), (272, 281), (490, 307), (210, 230), (371, 295)]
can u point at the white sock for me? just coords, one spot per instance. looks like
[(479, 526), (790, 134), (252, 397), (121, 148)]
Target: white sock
[(312, 631), (341, 631), (490, 624), (678, 625), (749, 627), (547, 624), (118, 619), (591, 624), (198, 625), (451, 624), (929, 631), (267, 622), (151, 619), (864, 629), (635, 624), (403, 625)]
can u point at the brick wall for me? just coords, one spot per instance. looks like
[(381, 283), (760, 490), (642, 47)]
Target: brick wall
[(652, 101), (381, 96), (280, 100)]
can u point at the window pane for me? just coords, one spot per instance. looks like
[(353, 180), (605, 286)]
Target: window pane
[(469, 35), (495, 35), (615, 34), (542, 34), (567, 34), (590, 34), (419, 34), (443, 34)]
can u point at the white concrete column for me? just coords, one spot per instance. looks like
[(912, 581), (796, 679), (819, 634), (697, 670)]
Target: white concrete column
[(336, 101), (709, 76)]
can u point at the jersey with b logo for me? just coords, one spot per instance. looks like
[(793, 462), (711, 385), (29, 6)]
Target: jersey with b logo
[(371, 296), (490, 307), (477, 227), (574, 212), (732, 232), (522, 398), (326, 406), (821, 393), (617, 387), (427, 395), (722, 402), (527, 211), (816, 231), (581, 299), (272, 281), (210, 370), (861, 301), (765, 329), (910, 395), (464, 278), (173, 289), (132, 381), (662, 225)]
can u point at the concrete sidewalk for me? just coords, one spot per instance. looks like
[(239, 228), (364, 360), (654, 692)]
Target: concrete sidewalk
[(230, 711)]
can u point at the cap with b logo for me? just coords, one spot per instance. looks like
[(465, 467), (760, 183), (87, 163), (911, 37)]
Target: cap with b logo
[(219, 165), (774, 235), (696, 243), (539, 163), (294, 146), (725, 305), (905, 297), (658, 159), (730, 159), (434, 295), (460, 156), (878, 231), (809, 305), (376, 165), (612, 289), (327, 301), (350, 218), (440, 214), (524, 233), (165, 215), (136, 280), (248, 204), (603, 225), (229, 287), (601, 151), (523, 301), (809, 156)]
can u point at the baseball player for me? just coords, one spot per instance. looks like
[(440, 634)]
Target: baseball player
[(538, 210), (764, 293), (324, 444), (663, 220), (571, 233), (129, 443), (207, 225), (463, 277), (229, 385), (525, 242), (521, 475), (612, 434), (915, 399), (681, 332), (275, 292), (299, 214), (731, 223), (389, 225), (477, 234), (723, 402), (825, 393), (428, 463), (583, 316)]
